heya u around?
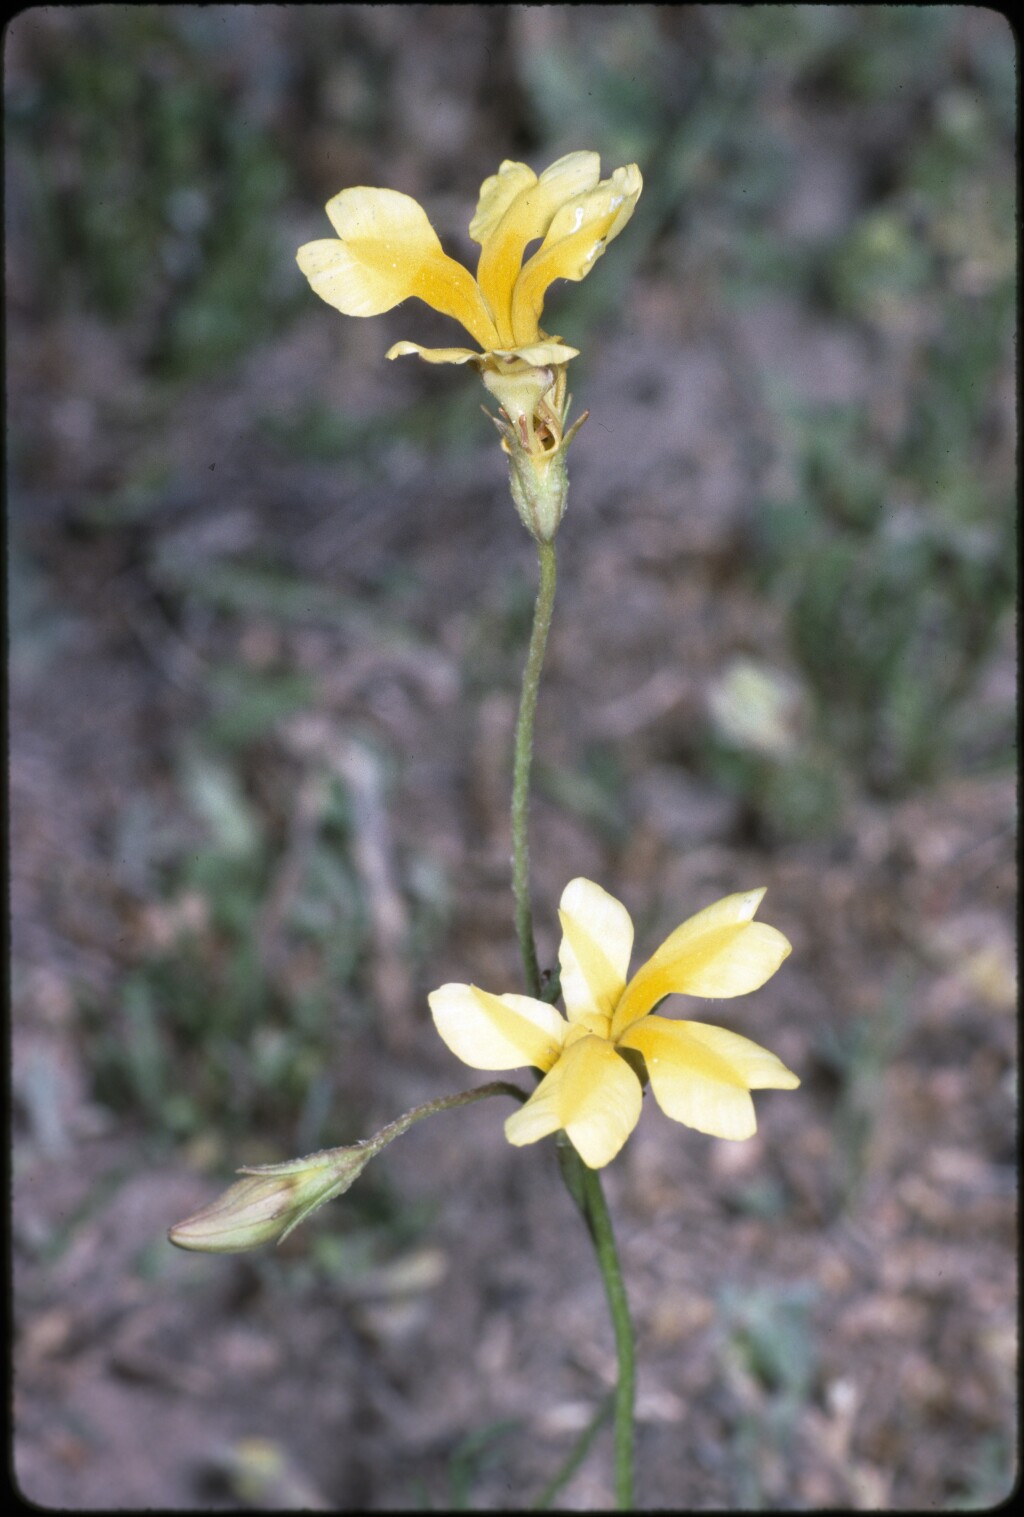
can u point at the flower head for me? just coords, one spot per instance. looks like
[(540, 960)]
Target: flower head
[(701, 1075), (386, 251)]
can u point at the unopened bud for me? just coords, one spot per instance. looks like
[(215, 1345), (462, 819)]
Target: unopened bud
[(274, 1198), (271, 1201)]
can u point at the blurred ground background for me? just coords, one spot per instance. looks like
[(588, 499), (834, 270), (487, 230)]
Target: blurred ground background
[(268, 606)]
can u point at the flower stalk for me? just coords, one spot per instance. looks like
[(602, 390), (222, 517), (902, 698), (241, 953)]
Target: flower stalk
[(599, 1226), (542, 612), (582, 1183)]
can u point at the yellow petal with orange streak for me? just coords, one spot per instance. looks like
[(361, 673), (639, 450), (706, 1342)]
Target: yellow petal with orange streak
[(719, 952), (592, 1094), (597, 940), (497, 1032), (579, 233), (386, 252)]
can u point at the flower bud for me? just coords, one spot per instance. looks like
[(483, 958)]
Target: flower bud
[(271, 1201), (275, 1198)]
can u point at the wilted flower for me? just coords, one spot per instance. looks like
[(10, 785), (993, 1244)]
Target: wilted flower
[(595, 1062)]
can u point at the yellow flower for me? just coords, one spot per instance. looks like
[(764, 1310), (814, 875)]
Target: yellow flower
[(701, 1076), (387, 251)]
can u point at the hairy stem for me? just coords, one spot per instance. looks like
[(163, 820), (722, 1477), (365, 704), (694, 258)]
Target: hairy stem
[(521, 769), (582, 1183), (402, 1124)]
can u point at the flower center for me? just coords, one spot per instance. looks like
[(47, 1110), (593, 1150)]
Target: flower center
[(591, 1024)]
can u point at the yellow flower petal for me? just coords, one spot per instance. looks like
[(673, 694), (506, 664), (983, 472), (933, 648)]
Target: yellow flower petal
[(497, 1032), (592, 1093), (717, 953), (387, 252), (496, 195), (578, 235), (759, 1069), (435, 355), (539, 354), (596, 944), (693, 1083), (536, 355), (515, 208)]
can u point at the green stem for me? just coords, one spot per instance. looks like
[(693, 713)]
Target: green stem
[(582, 1183), (402, 1124), (599, 1225), (521, 770)]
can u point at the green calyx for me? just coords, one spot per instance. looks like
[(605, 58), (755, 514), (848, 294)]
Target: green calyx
[(532, 426)]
